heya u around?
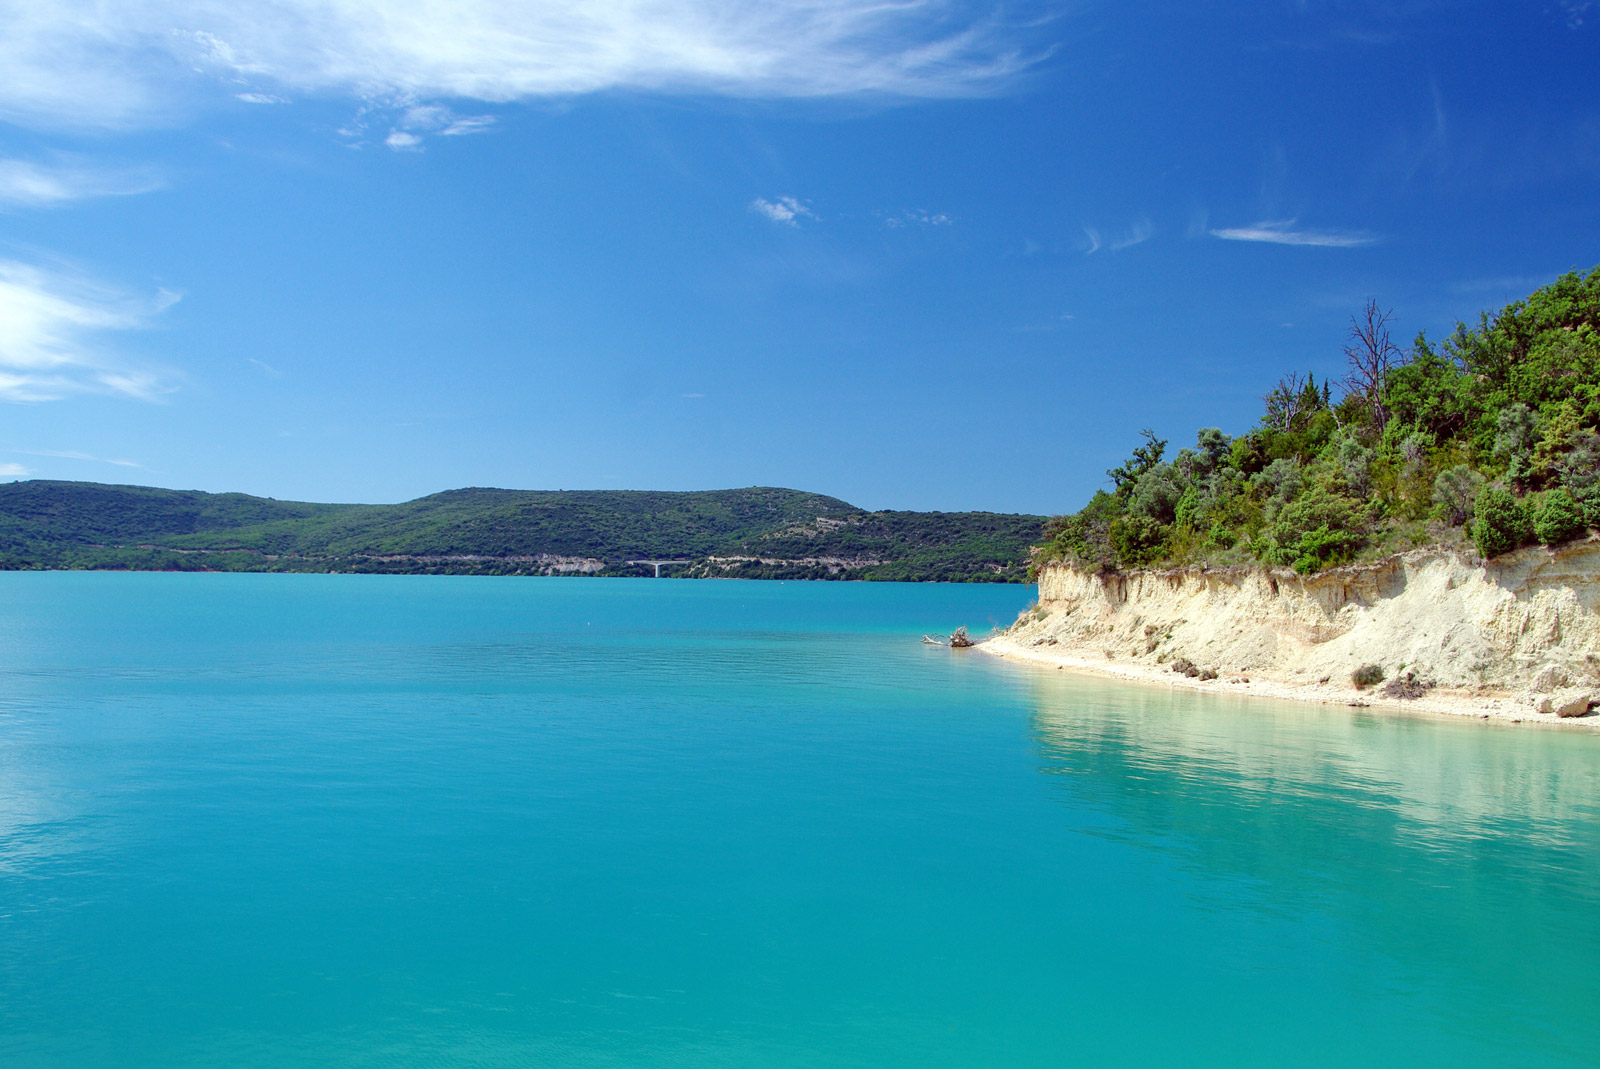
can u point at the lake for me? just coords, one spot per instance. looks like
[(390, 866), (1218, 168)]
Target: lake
[(266, 820)]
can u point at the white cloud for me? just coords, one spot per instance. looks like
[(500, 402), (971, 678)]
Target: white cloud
[(1283, 232), (33, 184), (467, 124), (90, 63), (1093, 237), (260, 98), (416, 120), (50, 324), (14, 471), (918, 218), (785, 210)]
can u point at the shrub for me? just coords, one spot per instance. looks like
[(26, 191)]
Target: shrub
[(1501, 523), (1455, 491), (1137, 539), (1355, 461), (1368, 675), (1279, 481), (1324, 548), (1514, 430), (1156, 495), (1589, 501), (1558, 518), (1580, 474), (1407, 687)]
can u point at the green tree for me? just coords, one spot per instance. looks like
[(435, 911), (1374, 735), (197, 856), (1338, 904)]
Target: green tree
[(1501, 523), (1144, 458), (1558, 518)]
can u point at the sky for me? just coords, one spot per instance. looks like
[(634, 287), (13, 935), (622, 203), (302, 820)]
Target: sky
[(915, 254)]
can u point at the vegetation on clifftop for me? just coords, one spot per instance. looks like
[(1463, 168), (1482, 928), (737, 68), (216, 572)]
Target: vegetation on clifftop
[(1492, 436)]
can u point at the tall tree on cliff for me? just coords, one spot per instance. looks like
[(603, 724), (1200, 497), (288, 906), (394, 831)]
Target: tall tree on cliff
[(1370, 354)]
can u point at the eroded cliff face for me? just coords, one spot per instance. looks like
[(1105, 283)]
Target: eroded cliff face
[(1527, 621)]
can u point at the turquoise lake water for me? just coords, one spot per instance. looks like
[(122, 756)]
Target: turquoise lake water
[(257, 820)]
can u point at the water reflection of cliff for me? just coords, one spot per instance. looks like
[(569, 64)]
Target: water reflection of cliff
[(1464, 846), (1423, 774)]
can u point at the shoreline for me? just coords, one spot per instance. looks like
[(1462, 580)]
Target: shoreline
[(1481, 705)]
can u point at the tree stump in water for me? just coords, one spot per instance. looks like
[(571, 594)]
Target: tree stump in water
[(959, 639)]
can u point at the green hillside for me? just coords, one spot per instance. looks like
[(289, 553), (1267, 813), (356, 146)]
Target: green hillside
[(1487, 440), (759, 532)]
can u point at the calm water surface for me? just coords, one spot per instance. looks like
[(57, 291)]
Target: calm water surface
[(396, 821)]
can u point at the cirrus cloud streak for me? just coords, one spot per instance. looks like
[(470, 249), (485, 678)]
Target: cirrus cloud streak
[(87, 63), (1285, 232), (52, 327), (28, 183)]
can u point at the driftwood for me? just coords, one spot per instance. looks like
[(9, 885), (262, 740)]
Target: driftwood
[(958, 640)]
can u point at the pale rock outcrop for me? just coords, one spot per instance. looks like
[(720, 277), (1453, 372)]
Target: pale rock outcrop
[(1570, 703), (1526, 622)]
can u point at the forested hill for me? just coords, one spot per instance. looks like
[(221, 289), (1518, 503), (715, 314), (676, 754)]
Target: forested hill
[(1487, 441), (762, 532)]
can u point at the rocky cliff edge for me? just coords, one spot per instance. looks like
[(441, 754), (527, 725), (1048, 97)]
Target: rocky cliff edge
[(1518, 635)]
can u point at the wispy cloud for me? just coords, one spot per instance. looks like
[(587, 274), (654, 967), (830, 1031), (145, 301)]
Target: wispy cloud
[(1576, 10), (1053, 323), (89, 63), (1137, 234), (73, 454), (916, 217), (51, 326), (1285, 232), (1141, 231), (29, 183), (415, 120), (14, 471), (1513, 284), (787, 211)]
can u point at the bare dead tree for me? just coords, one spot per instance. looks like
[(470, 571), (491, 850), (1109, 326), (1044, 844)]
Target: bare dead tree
[(1283, 403), (1370, 355)]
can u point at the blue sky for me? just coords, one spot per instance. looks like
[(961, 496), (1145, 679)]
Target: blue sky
[(917, 255)]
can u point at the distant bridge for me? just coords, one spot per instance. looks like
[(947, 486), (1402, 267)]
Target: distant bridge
[(658, 564)]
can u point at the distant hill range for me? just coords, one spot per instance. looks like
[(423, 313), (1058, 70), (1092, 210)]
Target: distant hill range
[(759, 532)]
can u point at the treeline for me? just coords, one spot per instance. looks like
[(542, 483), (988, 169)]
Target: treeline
[(480, 531), (1490, 436)]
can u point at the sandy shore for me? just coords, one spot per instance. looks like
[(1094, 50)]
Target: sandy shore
[(1476, 705)]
